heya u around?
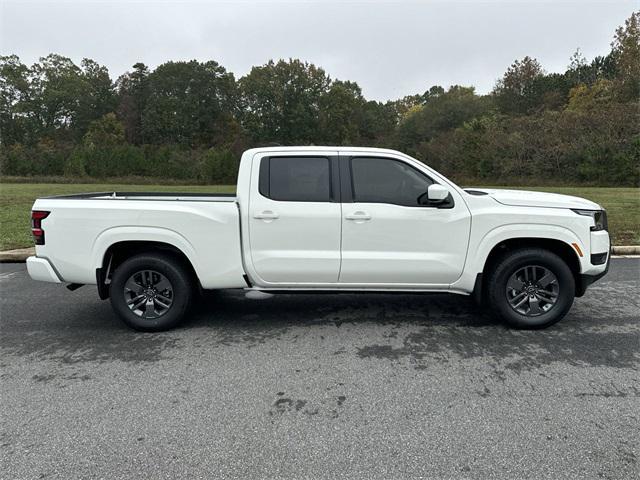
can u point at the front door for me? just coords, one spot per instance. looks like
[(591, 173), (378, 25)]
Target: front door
[(388, 237), (294, 219)]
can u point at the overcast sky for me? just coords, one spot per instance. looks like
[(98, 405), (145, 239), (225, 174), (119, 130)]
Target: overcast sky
[(390, 48)]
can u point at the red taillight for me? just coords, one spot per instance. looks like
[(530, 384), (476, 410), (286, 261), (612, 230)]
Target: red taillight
[(36, 225)]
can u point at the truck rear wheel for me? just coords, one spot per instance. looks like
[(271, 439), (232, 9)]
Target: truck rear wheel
[(151, 292), (531, 288)]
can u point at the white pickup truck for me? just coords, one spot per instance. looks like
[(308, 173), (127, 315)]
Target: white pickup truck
[(310, 219)]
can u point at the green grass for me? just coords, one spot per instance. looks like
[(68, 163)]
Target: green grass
[(16, 199)]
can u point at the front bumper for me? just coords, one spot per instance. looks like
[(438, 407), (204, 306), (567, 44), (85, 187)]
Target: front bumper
[(42, 270), (585, 280)]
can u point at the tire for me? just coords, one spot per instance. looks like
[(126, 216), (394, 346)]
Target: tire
[(160, 282), (531, 288)]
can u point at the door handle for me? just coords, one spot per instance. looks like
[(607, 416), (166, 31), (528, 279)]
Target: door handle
[(266, 215), (358, 216)]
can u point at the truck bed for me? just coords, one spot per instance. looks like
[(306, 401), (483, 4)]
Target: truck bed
[(82, 227)]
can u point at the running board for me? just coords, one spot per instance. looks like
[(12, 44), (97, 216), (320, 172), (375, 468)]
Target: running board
[(257, 295)]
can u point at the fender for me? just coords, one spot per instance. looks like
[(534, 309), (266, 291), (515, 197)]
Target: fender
[(479, 251), (513, 231), (150, 234)]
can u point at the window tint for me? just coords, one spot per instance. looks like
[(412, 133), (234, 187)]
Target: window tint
[(297, 179), (380, 180)]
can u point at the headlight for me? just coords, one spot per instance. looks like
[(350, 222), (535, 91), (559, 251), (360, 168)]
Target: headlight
[(599, 218)]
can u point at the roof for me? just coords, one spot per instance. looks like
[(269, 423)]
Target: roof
[(314, 148)]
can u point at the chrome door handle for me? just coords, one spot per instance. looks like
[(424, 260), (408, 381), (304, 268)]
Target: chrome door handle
[(358, 216), (266, 215)]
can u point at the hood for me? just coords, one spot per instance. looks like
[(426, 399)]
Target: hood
[(524, 198)]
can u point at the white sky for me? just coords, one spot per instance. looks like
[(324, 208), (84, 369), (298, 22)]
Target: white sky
[(390, 48)]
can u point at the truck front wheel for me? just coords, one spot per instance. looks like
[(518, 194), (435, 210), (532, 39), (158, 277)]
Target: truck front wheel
[(151, 292), (531, 288)]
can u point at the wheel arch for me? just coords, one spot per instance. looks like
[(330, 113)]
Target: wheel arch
[(559, 247), (120, 251)]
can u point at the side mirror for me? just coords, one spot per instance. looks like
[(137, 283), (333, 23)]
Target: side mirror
[(435, 195)]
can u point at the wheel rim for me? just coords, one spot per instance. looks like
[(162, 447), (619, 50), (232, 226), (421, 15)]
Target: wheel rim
[(532, 290), (148, 294)]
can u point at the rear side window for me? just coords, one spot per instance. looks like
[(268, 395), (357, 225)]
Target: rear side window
[(383, 180), (296, 179)]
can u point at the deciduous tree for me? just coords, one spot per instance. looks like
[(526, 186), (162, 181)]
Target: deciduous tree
[(515, 93), (626, 48), (282, 101)]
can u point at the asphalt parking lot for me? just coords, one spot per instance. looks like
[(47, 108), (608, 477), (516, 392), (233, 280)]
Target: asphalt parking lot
[(324, 386)]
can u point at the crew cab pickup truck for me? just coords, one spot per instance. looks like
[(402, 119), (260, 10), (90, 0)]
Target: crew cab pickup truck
[(317, 219)]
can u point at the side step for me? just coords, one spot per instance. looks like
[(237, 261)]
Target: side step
[(257, 295)]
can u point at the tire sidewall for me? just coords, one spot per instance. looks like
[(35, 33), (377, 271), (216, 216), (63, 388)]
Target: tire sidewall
[(511, 264), (176, 275)]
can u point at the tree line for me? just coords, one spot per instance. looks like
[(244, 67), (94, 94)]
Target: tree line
[(189, 120)]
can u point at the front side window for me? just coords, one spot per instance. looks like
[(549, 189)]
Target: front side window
[(296, 179), (383, 180)]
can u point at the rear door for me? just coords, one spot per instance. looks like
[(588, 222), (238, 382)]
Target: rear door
[(388, 237), (295, 218)]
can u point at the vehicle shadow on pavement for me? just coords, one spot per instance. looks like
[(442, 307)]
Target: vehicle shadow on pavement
[(421, 328), (300, 309), (601, 329)]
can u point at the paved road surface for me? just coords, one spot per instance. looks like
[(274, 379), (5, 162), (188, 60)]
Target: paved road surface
[(300, 386)]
